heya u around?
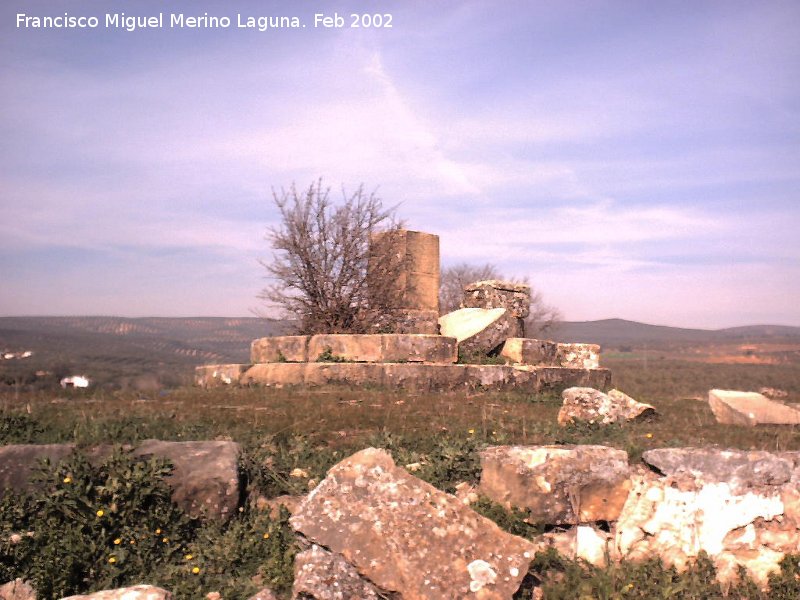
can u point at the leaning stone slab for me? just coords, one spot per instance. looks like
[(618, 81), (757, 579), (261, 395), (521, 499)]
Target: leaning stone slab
[(557, 484), (585, 404), (406, 536), (18, 462), (275, 374), (743, 518), (529, 351), (480, 330), (136, 592), (582, 356), (492, 293), (324, 575), (205, 481), (283, 348), (17, 590), (216, 375), (750, 409)]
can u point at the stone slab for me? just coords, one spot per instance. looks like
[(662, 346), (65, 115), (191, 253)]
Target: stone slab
[(749, 409), (530, 351), (282, 348), (577, 355), (385, 348), (275, 374), (217, 375), (316, 374), (357, 348)]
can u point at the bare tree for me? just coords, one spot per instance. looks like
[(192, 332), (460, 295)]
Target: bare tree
[(542, 319), (328, 273)]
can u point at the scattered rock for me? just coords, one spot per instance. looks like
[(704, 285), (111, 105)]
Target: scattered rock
[(593, 406), (557, 484), (516, 297), (750, 409), (205, 481), (136, 592), (406, 536), (324, 575), (17, 590), (480, 330)]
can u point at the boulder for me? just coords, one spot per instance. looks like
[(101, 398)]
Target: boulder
[(593, 406), (734, 505), (582, 356), (324, 575), (205, 481), (18, 462), (557, 484), (283, 348), (216, 375), (136, 592), (480, 330), (17, 590), (750, 409), (406, 536), (516, 297), (529, 351)]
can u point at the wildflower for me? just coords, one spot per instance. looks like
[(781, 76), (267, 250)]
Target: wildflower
[(117, 542), (158, 531), (165, 540), (470, 431), (649, 435), (100, 512), (133, 542), (112, 559), (188, 557), (195, 570), (67, 479), (266, 536)]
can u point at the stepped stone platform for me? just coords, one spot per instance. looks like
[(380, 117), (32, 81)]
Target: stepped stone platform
[(406, 361)]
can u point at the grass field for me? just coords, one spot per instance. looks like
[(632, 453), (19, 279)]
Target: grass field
[(311, 429)]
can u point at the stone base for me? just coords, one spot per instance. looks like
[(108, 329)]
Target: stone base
[(384, 348), (423, 376)]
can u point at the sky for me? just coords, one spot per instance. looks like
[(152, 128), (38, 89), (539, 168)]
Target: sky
[(633, 159)]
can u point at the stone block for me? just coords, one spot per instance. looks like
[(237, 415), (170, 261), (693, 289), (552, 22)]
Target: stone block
[(407, 537), (580, 356), (217, 375), (419, 348), (356, 348), (424, 377), (560, 378), (492, 293), (558, 484), (275, 374), (480, 331), (283, 348), (588, 405), (489, 377), (529, 351), (749, 409), (205, 480), (347, 373), (408, 320)]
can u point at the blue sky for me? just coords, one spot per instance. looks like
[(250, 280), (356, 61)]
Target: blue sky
[(634, 159)]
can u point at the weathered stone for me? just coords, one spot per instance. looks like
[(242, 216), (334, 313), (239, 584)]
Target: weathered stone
[(480, 330), (424, 377), (265, 594), (275, 374), (418, 348), (324, 575), (322, 373), (205, 480), (356, 348), (418, 280), (273, 505), (560, 378), (136, 592), (516, 297), (406, 536), (557, 484), (584, 541), (490, 377), (284, 348), (593, 406), (582, 356), (18, 462), (774, 393), (528, 351), (750, 409), (408, 320), (741, 519), (215, 375), (17, 590)]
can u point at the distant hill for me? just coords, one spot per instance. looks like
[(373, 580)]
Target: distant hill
[(152, 352)]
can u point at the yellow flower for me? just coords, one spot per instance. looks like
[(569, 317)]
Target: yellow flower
[(649, 435), (133, 542), (100, 512), (67, 479), (266, 536), (195, 570), (112, 559), (158, 531), (165, 540), (471, 431), (188, 557), (117, 542)]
